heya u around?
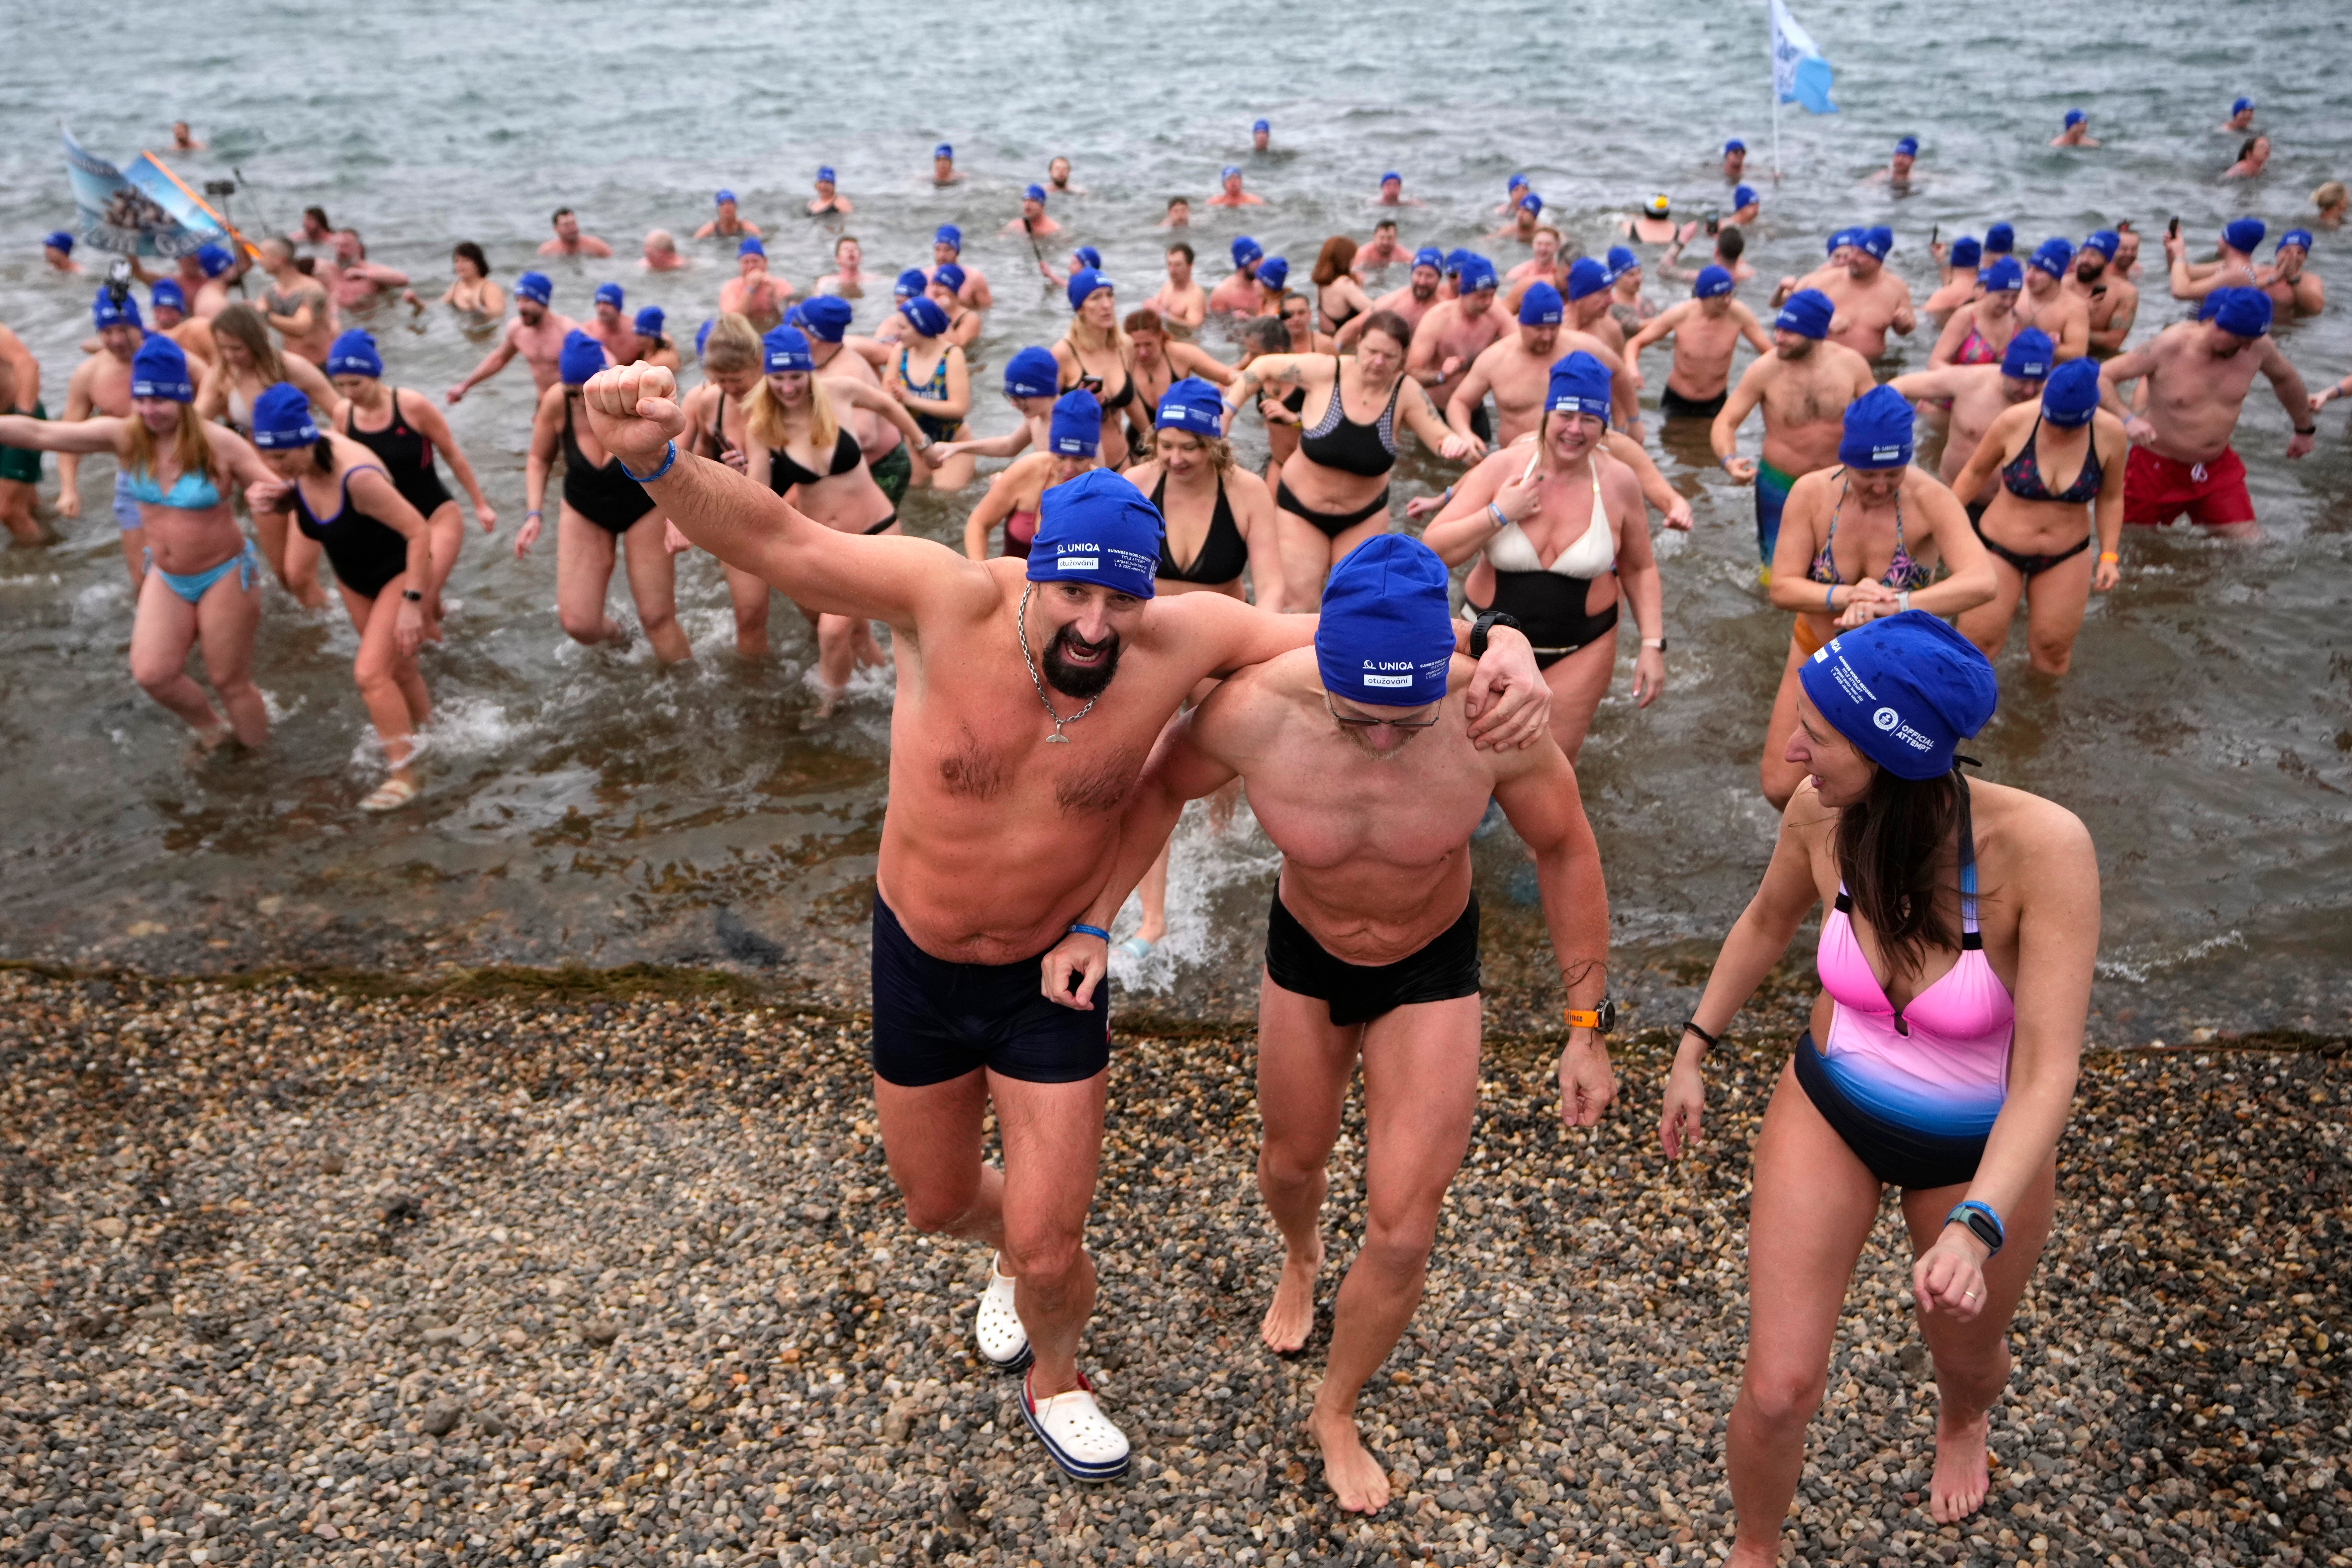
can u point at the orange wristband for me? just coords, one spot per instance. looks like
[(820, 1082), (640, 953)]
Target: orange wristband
[(2109, 556)]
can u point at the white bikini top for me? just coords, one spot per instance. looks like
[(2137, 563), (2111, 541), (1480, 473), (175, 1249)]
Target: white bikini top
[(1594, 553)]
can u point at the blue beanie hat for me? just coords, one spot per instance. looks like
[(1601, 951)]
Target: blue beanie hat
[(2243, 233), (944, 150), (1097, 528), (1392, 174), (1076, 429), (1090, 255), (649, 321), (702, 334), (1517, 183), (160, 370), (1807, 313), (1195, 405), (909, 284), (2028, 355), (784, 350), (1539, 306), (1245, 251), (2076, 117), (1274, 272), (1429, 255), (1087, 280), (749, 246), (2105, 241), (1586, 277), (1841, 240), (282, 419), (58, 239), (1035, 193), (166, 295), (2054, 256), (214, 259), (1877, 430), (610, 294), (1735, 145), (534, 286), (1258, 125), (106, 313), (1742, 196), (722, 197), (2001, 275), (1906, 689), (354, 354), (1230, 171), (2243, 105), (1622, 260), (1908, 146), (2245, 312), (1579, 385), (1966, 252), (825, 175), (2071, 395), (2299, 237), (1454, 261), (1032, 373), (582, 357), (947, 234), (2001, 240), (826, 317), (1477, 273), (1385, 638), (924, 315), (1712, 281), (1531, 203), (949, 276), (1876, 242)]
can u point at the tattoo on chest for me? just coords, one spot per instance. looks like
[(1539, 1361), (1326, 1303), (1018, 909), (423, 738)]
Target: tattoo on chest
[(973, 770)]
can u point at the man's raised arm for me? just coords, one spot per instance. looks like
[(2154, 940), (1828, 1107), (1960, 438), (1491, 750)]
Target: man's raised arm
[(634, 410)]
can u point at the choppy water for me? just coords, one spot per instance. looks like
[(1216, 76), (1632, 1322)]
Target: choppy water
[(585, 804)]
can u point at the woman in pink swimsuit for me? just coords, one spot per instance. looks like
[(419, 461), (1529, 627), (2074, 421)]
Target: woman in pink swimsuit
[(1956, 956)]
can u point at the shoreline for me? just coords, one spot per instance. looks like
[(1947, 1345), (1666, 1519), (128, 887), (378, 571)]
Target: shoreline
[(624, 1278)]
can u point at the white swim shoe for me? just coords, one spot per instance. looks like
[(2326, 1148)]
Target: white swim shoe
[(1003, 1342), (1075, 1432)]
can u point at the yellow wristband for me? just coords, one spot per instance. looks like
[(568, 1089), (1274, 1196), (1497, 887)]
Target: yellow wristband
[(1579, 1018), (2108, 555)]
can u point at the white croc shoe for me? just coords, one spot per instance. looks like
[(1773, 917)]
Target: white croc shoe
[(1003, 1342), (1075, 1432)]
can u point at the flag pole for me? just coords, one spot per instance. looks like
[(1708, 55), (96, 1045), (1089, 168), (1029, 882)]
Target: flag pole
[(1773, 53)]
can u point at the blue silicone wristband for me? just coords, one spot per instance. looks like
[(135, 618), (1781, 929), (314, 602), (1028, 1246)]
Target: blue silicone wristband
[(1999, 1230), (670, 460), (1092, 930)]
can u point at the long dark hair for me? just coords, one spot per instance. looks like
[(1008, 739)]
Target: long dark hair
[(1890, 846)]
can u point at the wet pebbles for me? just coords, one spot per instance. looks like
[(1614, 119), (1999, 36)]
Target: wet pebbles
[(288, 1273)]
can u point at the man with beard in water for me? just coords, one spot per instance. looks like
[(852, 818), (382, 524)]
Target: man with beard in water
[(2112, 300), (1803, 387), (1000, 831), (537, 333), (1411, 301), (1361, 771)]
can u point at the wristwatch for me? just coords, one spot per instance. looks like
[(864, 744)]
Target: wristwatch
[(412, 595), (1601, 1020), (1657, 643), (1487, 623)]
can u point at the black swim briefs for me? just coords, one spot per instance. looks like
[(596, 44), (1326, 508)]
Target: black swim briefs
[(936, 1020), (1445, 968)]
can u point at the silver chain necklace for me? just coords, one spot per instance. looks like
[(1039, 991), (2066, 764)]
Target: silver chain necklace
[(1021, 624)]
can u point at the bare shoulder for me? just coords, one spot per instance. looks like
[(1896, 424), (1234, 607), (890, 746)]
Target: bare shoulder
[(1810, 489), (1248, 708), (1143, 476), (1244, 486), (2038, 830), (1621, 483)]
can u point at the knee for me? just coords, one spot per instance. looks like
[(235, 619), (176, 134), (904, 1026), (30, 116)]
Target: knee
[(586, 626), (375, 672), (1399, 1243), (2051, 657), (936, 1213), (154, 675), (1784, 1397), (1045, 1258), (1290, 1164), (656, 621)]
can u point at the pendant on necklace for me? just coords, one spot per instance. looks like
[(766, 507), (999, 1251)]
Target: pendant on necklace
[(1057, 738)]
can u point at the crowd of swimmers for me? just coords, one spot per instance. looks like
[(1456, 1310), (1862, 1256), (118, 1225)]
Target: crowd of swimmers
[(1135, 619)]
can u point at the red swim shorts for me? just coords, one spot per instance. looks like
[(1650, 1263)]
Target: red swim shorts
[(2158, 489)]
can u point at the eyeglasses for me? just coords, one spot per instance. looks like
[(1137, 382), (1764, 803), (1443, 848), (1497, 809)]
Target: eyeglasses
[(1429, 723)]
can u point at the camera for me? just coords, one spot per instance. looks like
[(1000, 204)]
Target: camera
[(220, 187), (118, 282)]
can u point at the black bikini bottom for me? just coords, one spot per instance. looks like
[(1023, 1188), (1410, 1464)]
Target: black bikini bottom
[(2032, 565), (1332, 523)]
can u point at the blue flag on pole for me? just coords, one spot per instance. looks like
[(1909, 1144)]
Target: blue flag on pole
[(1800, 74)]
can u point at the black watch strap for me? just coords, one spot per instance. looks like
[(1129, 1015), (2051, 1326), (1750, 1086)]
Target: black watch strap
[(1486, 623)]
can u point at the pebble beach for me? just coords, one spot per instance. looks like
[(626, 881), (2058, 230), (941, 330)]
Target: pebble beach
[(301, 1271)]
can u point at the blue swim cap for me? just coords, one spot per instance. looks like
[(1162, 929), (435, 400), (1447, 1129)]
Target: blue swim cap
[(282, 419), (782, 349), (1712, 281), (2028, 354), (2105, 241), (1192, 405), (214, 259), (2243, 312), (702, 335), (1229, 172), (105, 313), (1807, 313), (825, 175), (1622, 260), (166, 293), (1905, 689), (1586, 276), (160, 370), (1386, 634), (1086, 280), (2054, 256), (1090, 255), (1518, 183), (1531, 203), (1877, 430), (355, 353), (1908, 146), (2299, 237), (1429, 255), (2076, 117), (1999, 239), (1539, 306), (649, 321), (1392, 174), (1097, 528), (1245, 251), (1274, 272), (909, 283), (947, 234), (2073, 395), (2243, 233), (1258, 125), (58, 239), (1841, 240), (534, 286), (1035, 193), (2001, 275), (1454, 261), (1875, 242), (1076, 429), (1579, 385), (924, 315), (2243, 105), (609, 294), (1742, 196), (751, 246), (722, 197), (943, 150), (949, 276), (826, 317), (1032, 373), (1477, 273), (1735, 145), (582, 357), (1966, 252)]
